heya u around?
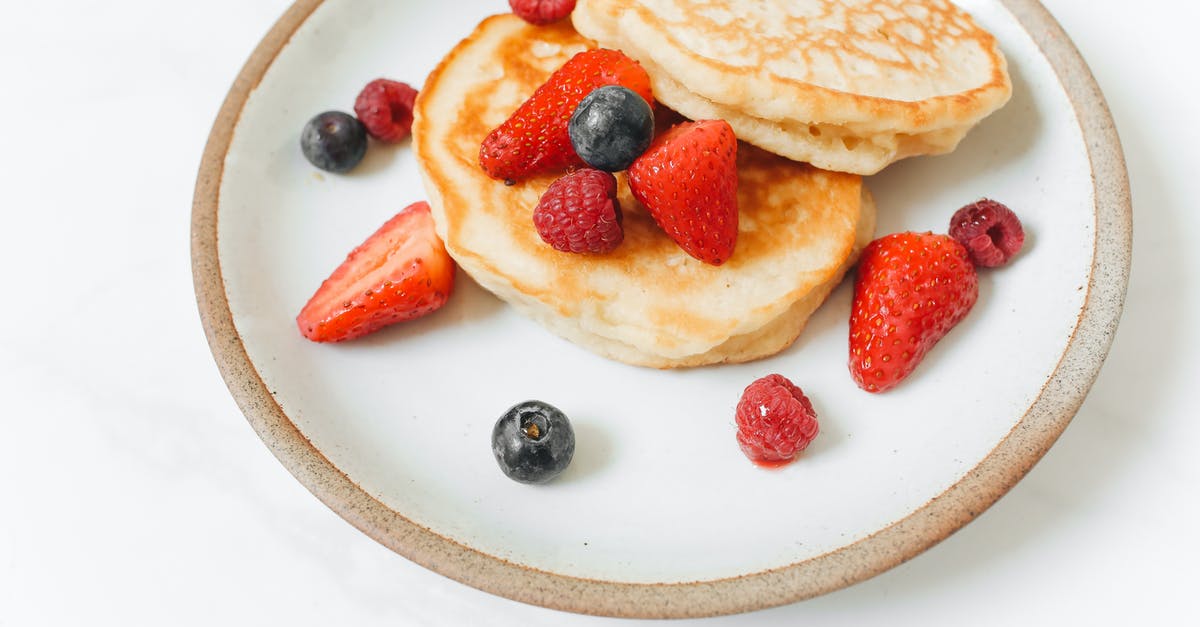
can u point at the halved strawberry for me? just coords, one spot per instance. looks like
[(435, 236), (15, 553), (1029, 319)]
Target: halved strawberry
[(687, 179), (535, 138), (912, 288), (401, 272)]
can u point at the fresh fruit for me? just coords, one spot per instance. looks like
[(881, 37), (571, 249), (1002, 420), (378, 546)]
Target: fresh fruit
[(912, 288), (688, 181), (401, 272), (334, 141), (535, 138), (579, 213), (533, 442), (775, 421), (542, 11), (385, 107), (990, 231), (611, 127)]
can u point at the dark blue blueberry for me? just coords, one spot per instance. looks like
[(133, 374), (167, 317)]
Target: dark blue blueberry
[(334, 141), (533, 442), (611, 127)]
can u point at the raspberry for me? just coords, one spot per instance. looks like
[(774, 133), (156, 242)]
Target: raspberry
[(385, 107), (579, 213), (542, 11), (990, 231), (775, 421)]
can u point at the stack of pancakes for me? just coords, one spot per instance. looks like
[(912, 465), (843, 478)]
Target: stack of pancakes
[(846, 85), (649, 303)]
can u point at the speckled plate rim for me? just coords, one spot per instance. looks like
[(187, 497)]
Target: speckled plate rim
[(1003, 467)]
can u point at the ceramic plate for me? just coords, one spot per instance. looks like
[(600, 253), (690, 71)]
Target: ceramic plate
[(660, 514)]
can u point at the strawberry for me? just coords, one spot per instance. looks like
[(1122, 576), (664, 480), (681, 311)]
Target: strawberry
[(535, 138), (687, 180), (401, 272), (912, 288)]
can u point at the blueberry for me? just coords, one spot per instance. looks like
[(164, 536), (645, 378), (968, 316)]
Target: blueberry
[(533, 442), (611, 127), (334, 141)]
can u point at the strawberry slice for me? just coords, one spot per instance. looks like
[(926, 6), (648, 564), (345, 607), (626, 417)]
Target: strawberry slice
[(401, 272), (535, 138), (688, 181), (912, 288)]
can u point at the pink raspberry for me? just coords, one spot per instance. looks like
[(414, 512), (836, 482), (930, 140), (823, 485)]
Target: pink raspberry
[(775, 421), (542, 11), (579, 213), (385, 107), (990, 231)]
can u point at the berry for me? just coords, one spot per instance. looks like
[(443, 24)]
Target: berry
[(533, 442), (535, 138), (334, 141), (775, 421), (401, 272), (542, 11), (385, 107), (579, 213), (611, 128), (688, 181), (912, 288), (990, 231)]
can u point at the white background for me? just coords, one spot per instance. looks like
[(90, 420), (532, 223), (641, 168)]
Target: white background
[(133, 492)]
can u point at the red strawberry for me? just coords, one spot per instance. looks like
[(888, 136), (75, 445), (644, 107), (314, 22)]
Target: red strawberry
[(687, 179), (401, 272), (912, 288), (535, 138)]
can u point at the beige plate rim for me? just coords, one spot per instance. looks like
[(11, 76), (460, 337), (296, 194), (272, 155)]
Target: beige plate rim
[(1012, 458)]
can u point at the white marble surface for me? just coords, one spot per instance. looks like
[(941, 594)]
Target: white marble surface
[(134, 492)]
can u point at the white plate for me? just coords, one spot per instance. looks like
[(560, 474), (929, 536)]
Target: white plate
[(660, 514)]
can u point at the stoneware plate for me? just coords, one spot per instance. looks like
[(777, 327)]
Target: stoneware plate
[(660, 514)]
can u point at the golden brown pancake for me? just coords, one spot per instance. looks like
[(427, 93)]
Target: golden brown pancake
[(648, 302), (847, 85)]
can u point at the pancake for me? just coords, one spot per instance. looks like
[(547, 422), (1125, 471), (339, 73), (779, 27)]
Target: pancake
[(849, 85), (647, 303)]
